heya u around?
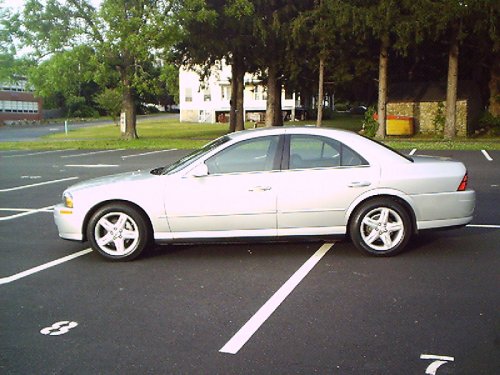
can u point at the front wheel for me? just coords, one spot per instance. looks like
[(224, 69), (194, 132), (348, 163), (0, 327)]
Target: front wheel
[(380, 227), (118, 232)]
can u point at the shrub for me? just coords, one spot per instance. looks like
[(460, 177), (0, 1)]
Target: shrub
[(490, 123), (370, 125)]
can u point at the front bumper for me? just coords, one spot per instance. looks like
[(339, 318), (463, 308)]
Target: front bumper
[(69, 223)]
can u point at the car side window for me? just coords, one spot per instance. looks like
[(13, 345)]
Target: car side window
[(252, 155), (319, 152)]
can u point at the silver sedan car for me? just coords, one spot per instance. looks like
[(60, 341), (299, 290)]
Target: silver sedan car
[(276, 183)]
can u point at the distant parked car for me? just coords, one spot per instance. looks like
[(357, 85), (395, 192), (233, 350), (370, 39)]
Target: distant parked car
[(272, 183), (358, 110)]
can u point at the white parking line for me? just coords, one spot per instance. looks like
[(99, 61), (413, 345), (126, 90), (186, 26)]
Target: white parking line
[(412, 151), (24, 212), (147, 153), (33, 154), (38, 184), (483, 226), (250, 327), (91, 153), (31, 271), (92, 165), (486, 155)]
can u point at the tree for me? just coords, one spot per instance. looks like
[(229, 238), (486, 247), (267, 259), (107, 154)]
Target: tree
[(69, 74), (393, 24), (220, 30), (126, 37), (110, 101), (458, 23), (272, 30), (322, 30), (10, 64)]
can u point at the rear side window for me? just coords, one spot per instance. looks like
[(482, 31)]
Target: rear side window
[(308, 151)]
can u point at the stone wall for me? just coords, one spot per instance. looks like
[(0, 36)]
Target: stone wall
[(425, 113)]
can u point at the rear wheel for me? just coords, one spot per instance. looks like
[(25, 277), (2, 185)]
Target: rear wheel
[(118, 232), (380, 227)]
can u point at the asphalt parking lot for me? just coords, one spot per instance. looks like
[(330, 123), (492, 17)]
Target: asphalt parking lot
[(311, 307)]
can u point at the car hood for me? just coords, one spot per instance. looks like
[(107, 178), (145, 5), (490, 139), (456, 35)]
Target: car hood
[(117, 179)]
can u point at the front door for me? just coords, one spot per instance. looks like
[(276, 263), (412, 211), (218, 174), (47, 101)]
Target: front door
[(236, 199)]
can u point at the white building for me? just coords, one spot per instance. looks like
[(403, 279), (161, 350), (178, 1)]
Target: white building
[(209, 100)]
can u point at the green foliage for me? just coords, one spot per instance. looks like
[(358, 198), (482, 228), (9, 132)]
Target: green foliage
[(439, 119), (77, 107), (370, 125), (110, 100), (490, 123)]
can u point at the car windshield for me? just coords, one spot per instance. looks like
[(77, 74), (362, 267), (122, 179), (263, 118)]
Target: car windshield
[(188, 159)]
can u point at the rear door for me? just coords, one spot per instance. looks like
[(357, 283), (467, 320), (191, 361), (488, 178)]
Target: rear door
[(320, 179)]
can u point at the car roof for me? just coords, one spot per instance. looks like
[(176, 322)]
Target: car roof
[(368, 148)]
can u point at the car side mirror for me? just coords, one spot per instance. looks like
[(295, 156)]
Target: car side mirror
[(201, 170)]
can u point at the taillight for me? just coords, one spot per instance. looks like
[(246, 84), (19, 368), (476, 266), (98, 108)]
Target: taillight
[(463, 184)]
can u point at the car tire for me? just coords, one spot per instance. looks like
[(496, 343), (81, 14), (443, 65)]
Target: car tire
[(118, 232), (380, 227)]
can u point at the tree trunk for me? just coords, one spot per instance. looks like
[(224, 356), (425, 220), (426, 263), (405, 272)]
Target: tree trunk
[(272, 95), (319, 117), (232, 102), (451, 89), (278, 113), (494, 85), (382, 85), (240, 109), (128, 107)]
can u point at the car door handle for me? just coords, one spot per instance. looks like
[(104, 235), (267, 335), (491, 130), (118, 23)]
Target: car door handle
[(359, 184), (257, 189)]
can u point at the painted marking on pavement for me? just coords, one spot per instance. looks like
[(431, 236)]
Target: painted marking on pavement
[(483, 226), (32, 154), (91, 153), (438, 361), (486, 155), (31, 271), (91, 165), (147, 153), (59, 328), (24, 212), (412, 151), (37, 184), (250, 327), (31, 177)]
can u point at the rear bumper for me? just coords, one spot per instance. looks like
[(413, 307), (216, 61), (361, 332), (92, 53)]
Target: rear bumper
[(444, 209)]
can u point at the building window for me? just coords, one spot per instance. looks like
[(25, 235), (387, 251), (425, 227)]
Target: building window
[(260, 93), (225, 92), (188, 94), (206, 95), (13, 106)]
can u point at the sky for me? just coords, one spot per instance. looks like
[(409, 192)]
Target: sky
[(18, 4)]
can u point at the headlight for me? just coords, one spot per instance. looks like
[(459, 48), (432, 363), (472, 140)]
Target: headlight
[(68, 199)]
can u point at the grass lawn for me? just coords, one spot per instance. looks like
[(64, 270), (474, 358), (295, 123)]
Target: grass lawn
[(170, 133)]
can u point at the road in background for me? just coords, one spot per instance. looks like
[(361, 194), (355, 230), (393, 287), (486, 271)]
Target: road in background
[(27, 133)]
